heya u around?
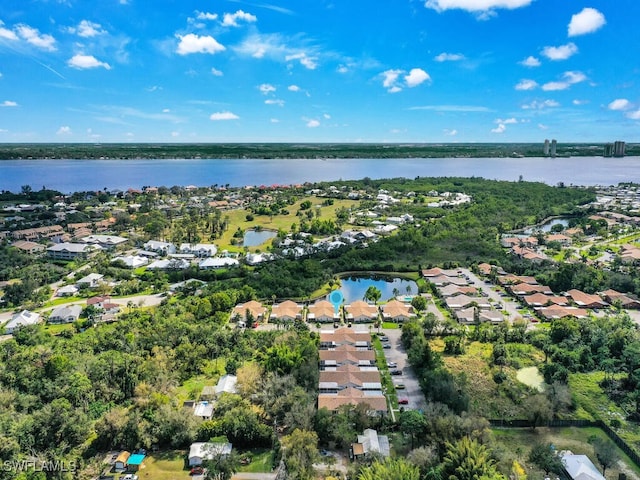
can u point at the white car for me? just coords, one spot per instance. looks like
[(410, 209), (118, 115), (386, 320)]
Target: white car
[(129, 476)]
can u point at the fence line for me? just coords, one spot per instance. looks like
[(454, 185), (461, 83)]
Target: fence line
[(615, 438)]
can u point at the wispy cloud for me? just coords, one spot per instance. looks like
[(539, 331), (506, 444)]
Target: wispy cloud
[(6, 33), (526, 84), (587, 21), (84, 62), (452, 108), (568, 79), (540, 105), (216, 73), (560, 53), (266, 88), (484, 9), (274, 101), (64, 130), (449, 57), (277, 48), (8, 103), (192, 43), (207, 16), (501, 128), (220, 116), (313, 123)]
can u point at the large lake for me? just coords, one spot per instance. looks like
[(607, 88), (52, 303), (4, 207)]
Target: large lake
[(354, 288), (78, 175)]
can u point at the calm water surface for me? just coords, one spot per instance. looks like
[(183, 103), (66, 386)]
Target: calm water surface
[(78, 175), (354, 288), (253, 238)]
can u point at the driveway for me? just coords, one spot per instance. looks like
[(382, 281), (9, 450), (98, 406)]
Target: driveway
[(408, 378), (507, 302)]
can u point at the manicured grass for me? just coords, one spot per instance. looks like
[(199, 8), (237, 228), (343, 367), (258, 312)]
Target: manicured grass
[(168, 465), (261, 460), (516, 443)]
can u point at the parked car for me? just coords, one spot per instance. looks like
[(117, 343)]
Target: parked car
[(399, 386), (129, 476), (197, 470), (392, 364), (403, 401), (384, 338), (396, 372), (386, 346)]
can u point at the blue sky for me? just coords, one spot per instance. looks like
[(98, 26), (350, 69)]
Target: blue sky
[(319, 71)]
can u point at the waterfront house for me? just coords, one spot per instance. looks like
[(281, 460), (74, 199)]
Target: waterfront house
[(396, 311), (361, 311), (323, 311)]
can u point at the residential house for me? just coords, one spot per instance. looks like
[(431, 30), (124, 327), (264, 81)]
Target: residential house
[(163, 248), (135, 462), (556, 311), (523, 289), (21, 319), (468, 316), (580, 467), (170, 264), (453, 290), (437, 272), (107, 242), (65, 314), (67, 291), (563, 240), (586, 300), (217, 262), (71, 251), (542, 300), (376, 401), (287, 311), (200, 250), (624, 300), (370, 443), (330, 339), (361, 311), (226, 384), (443, 280), (104, 304), (323, 311), (464, 301), (349, 376), (245, 311), (132, 261), (30, 248), (342, 356), (396, 311), (92, 280), (200, 452), (120, 465), (203, 410)]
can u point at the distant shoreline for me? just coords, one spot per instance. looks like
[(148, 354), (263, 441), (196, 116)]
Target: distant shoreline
[(284, 151)]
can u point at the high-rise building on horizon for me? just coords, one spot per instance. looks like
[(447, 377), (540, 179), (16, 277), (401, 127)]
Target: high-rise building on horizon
[(545, 150), (554, 147), (618, 148)]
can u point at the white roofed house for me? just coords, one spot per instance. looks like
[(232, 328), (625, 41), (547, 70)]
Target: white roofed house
[(65, 314), (108, 242), (132, 261), (214, 263), (200, 452), (226, 384), (21, 319), (71, 251), (163, 248), (92, 280), (199, 249)]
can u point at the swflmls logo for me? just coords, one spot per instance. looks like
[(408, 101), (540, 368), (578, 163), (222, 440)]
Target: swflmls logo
[(39, 466)]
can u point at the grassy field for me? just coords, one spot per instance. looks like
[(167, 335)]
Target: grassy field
[(169, 465), (237, 219), (515, 444), (261, 461)]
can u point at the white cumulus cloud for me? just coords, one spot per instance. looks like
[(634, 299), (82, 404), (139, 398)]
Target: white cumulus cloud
[(635, 115), (207, 16), (83, 62), (65, 130), (499, 129), (293, 88), (416, 77), (560, 53), (449, 57), (216, 73), (223, 116), (530, 61), (484, 8), (87, 29), (506, 121), (267, 88), (389, 79), (35, 38), (587, 21), (6, 33), (568, 79), (192, 43), (231, 19), (526, 84), (8, 103), (313, 123), (619, 104)]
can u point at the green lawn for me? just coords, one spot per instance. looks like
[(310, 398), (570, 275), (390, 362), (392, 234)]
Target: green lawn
[(261, 460), (168, 465)]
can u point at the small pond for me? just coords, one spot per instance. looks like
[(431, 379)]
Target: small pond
[(546, 226), (353, 288), (253, 238)]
